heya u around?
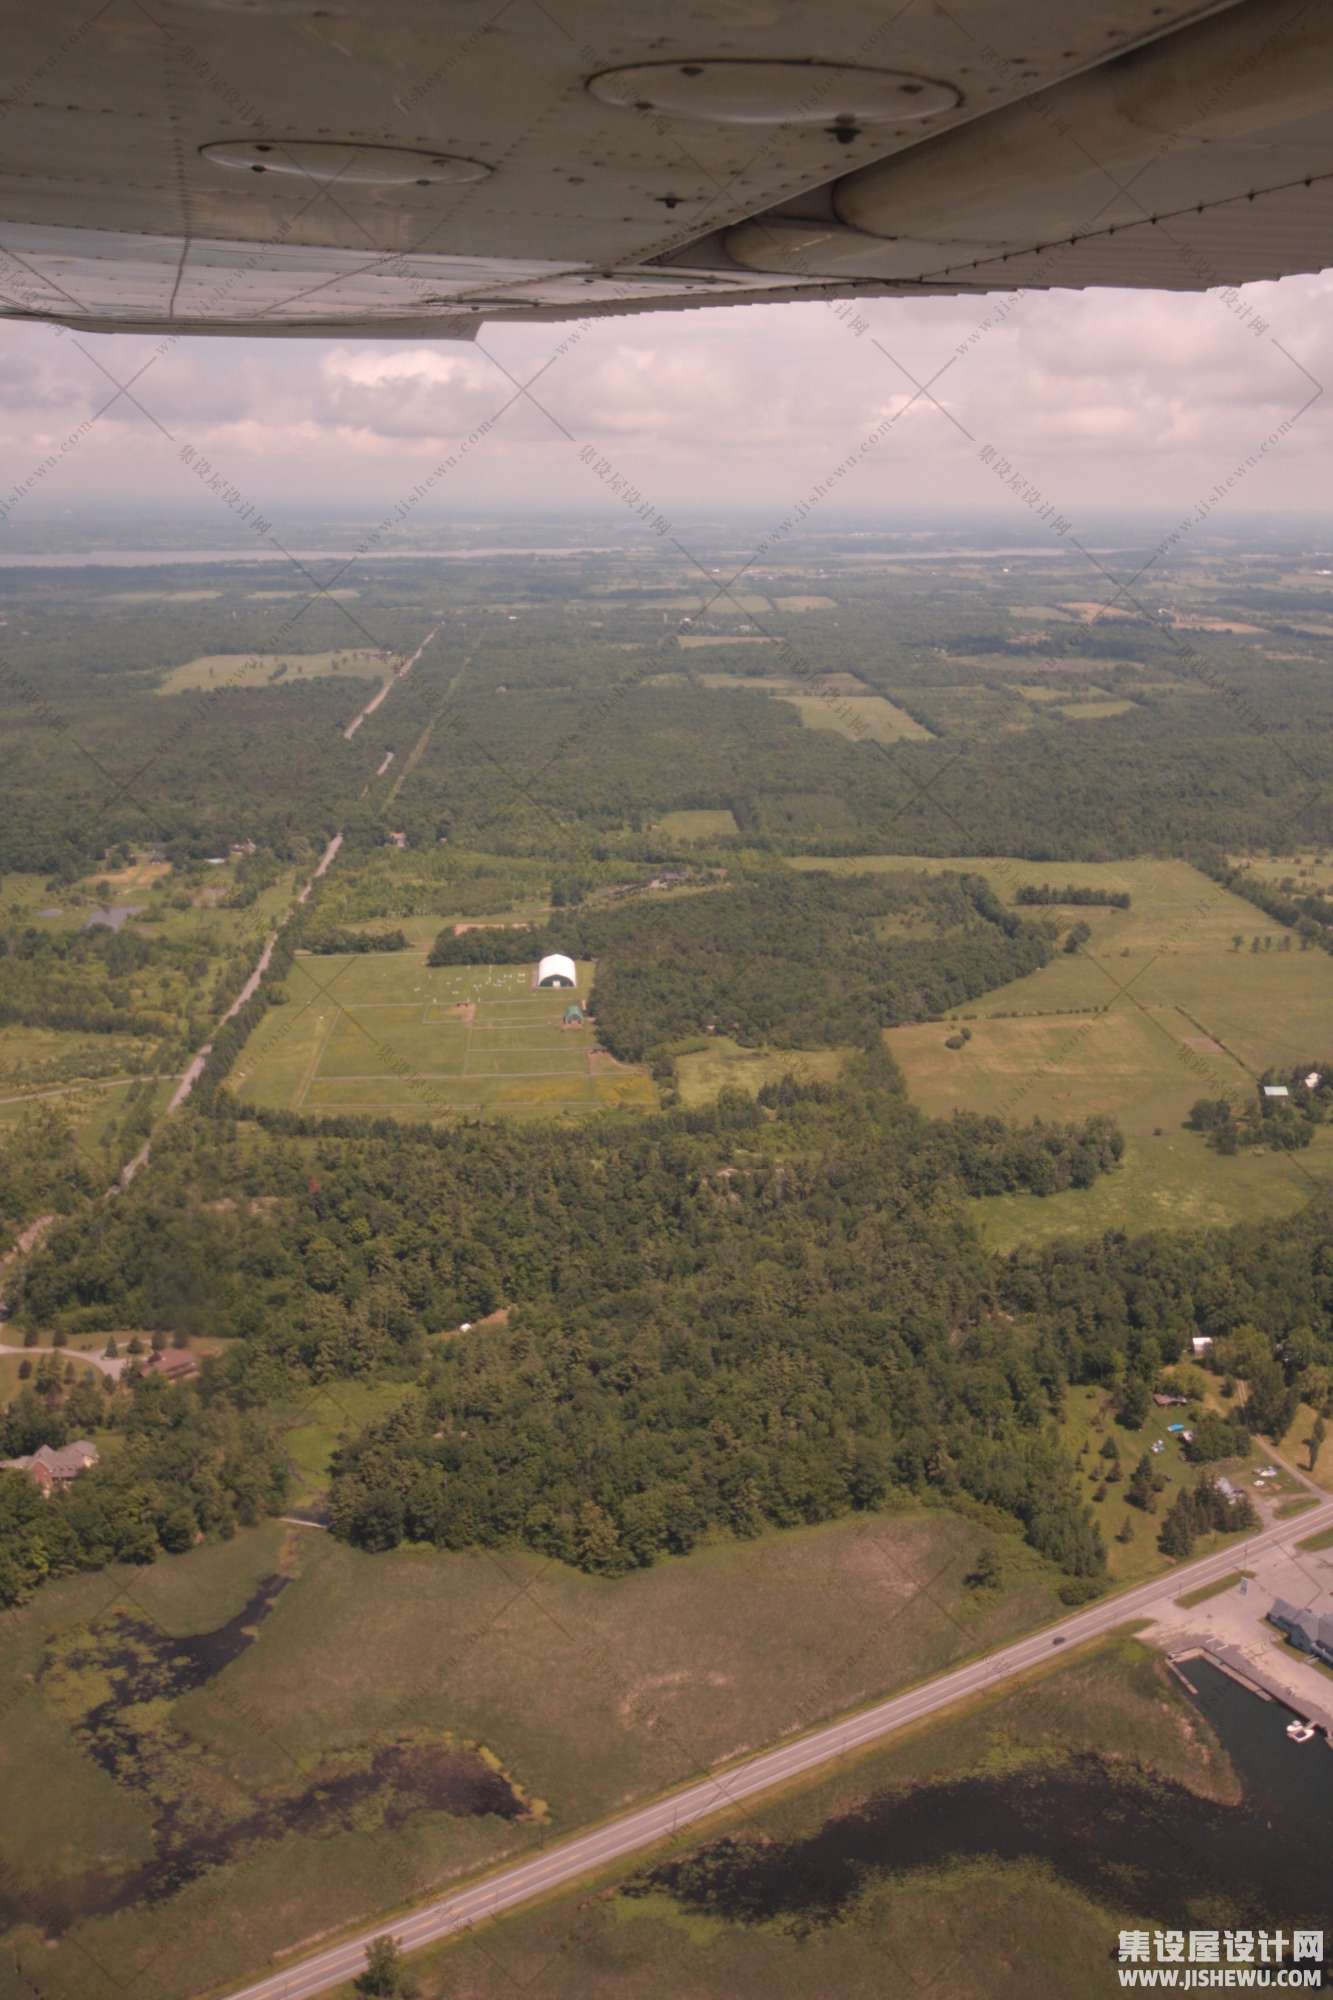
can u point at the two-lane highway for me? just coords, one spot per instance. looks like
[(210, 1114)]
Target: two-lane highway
[(618, 1839)]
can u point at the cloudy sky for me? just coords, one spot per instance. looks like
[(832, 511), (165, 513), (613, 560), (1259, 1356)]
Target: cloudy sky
[(1110, 399)]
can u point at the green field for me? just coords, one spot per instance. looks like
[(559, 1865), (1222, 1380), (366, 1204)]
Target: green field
[(215, 670), (1160, 1008), (707, 823), (92, 1112), (1143, 1067), (1174, 1182), (386, 1033), (1311, 869), (866, 718), (331, 1412), (1294, 1449), (1094, 711), (838, 702), (724, 1064), (584, 1693)]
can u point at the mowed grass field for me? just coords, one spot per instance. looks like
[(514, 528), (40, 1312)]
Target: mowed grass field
[(257, 669), (1160, 1008), (586, 1693), (386, 1033)]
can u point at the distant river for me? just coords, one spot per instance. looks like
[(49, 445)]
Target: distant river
[(166, 558)]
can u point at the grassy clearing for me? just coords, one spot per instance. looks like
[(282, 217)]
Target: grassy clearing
[(837, 702), (708, 823), (223, 670), (971, 1928), (725, 1064), (1089, 1422), (92, 1112), (589, 1694), (1131, 1063), (39, 1059), (1294, 1449), (1160, 1008), (331, 1412), (1169, 1183), (1310, 869), (1093, 711), (695, 640), (1290, 1508), (864, 718), (1313, 1543), (1172, 905), (386, 1032)]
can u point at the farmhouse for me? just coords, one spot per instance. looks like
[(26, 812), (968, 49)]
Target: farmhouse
[(1201, 1343), (557, 970), (173, 1364), (1274, 1091), (47, 1467)]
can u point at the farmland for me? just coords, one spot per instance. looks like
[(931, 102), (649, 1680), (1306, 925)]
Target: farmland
[(841, 703), (385, 1033), (1190, 992), (238, 670), (863, 717)]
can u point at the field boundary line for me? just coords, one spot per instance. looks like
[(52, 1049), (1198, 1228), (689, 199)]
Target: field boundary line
[(315, 1060), (1216, 1039)]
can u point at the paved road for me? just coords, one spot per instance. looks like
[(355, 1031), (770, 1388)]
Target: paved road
[(403, 671), (621, 1838), (112, 1367), (192, 1074)]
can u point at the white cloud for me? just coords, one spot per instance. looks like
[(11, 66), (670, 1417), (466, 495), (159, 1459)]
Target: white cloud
[(1112, 397)]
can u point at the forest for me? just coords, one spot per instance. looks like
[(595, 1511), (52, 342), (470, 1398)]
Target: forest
[(759, 1312)]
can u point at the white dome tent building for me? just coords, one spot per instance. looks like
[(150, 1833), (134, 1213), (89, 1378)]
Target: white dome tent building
[(557, 970)]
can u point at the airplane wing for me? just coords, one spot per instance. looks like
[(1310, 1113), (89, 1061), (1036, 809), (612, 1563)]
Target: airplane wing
[(418, 167)]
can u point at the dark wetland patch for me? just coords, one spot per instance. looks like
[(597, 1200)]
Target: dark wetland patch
[(1117, 1833), (116, 1681)]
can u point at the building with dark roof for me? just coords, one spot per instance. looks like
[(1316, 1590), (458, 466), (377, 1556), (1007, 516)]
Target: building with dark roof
[(50, 1466), (173, 1364), (1309, 1631)]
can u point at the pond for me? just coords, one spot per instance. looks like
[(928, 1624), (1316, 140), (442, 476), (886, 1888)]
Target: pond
[(1119, 1834)]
